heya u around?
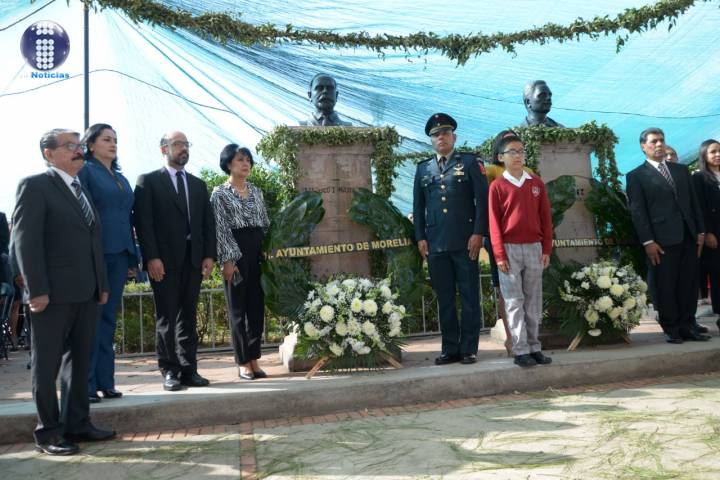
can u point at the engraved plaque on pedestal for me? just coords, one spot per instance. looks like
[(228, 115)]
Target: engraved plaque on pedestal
[(335, 171), (578, 223)]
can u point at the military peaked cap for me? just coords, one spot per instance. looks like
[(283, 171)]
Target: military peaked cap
[(439, 121)]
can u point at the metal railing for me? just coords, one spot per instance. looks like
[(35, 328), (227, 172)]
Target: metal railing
[(136, 319)]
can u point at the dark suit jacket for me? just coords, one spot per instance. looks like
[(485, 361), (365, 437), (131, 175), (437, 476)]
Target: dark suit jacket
[(4, 234), (160, 221), (57, 252), (709, 198), (451, 205), (658, 212)]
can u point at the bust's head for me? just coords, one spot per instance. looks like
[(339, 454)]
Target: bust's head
[(323, 93), (537, 97)]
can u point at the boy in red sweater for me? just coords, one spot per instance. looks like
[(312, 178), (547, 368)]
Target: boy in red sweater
[(521, 236)]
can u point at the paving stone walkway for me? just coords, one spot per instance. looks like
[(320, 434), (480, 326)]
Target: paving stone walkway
[(639, 431), (646, 429)]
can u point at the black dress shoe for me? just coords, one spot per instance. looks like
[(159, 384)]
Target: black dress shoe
[(525, 360), (194, 380), (57, 446), (673, 340), (112, 393), (259, 373), (93, 398), (541, 359), (445, 359), (700, 328), (468, 359), (92, 434), (172, 382), (695, 337)]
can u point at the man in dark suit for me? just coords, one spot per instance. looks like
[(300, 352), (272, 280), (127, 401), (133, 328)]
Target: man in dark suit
[(176, 230), (669, 223), (450, 215), (57, 244)]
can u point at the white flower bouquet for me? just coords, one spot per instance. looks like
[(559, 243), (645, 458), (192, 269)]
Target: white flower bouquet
[(607, 297), (350, 317)]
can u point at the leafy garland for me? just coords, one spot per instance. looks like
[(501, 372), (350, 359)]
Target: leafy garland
[(281, 145), (224, 27), (601, 137)]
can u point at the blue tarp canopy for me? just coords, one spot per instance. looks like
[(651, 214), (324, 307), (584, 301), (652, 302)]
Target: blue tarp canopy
[(146, 81)]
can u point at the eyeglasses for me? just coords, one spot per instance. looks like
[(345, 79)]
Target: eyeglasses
[(514, 153), (72, 146), (179, 143)]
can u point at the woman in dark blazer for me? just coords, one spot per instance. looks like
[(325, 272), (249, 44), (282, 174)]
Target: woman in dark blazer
[(707, 188), (113, 197), (241, 222)]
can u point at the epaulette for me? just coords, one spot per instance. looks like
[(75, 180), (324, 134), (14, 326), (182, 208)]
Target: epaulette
[(424, 160), (474, 156)]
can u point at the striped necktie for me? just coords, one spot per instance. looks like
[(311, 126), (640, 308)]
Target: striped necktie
[(663, 169), (84, 204)]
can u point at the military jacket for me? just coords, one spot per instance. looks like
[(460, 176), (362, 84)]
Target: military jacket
[(449, 205)]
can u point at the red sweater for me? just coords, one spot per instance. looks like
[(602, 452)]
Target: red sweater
[(519, 215)]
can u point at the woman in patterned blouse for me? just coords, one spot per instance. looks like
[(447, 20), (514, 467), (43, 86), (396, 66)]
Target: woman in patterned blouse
[(241, 223)]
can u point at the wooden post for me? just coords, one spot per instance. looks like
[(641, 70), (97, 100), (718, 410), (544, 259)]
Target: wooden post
[(392, 361), (316, 367), (576, 341)]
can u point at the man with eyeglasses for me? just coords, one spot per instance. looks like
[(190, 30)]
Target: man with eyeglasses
[(450, 219), (176, 231), (57, 243)]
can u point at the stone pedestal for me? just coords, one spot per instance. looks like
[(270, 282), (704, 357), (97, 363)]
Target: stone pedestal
[(335, 171), (578, 223)]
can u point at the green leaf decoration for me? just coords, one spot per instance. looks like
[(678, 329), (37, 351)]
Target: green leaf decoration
[(281, 146), (561, 193), (227, 26), (559, 315), (404, 265), (601, 137), (614, 222), (286, 281)]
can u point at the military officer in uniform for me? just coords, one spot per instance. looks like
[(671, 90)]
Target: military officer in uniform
[(451, 217)]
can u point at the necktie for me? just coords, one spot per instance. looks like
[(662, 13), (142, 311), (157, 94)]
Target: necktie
[(441, 163), (84, 205), (666, 173), (182, 195)]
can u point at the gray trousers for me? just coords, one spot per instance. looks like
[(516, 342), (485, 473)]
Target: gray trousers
[(521, 288)]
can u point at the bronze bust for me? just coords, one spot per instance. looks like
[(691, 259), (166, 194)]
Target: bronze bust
[(323, 94), (537, 98)]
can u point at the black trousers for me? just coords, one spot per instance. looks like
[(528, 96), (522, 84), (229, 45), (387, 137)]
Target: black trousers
[(62, 338), (245, 301), (710, 267), (176, 299), (676, 286), (703, 274), (448, 270)]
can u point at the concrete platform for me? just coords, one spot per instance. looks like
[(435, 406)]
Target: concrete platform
[(146, 407)]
